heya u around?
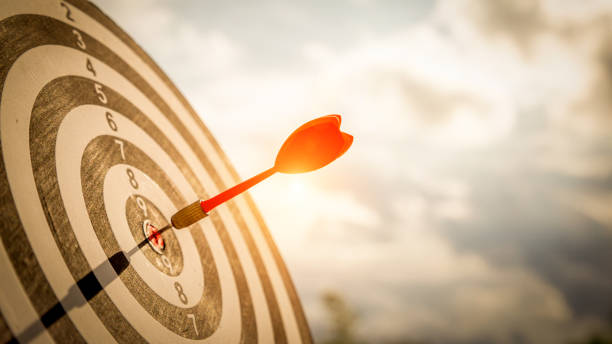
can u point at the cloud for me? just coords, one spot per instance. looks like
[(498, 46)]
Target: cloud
[(518, 20), (419, 286)]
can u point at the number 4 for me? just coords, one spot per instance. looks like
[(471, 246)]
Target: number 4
[(195, 327)]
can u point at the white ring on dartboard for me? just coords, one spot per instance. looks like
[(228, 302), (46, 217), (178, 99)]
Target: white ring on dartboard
[(86, 24), (14, 126), (116, 193), (12, 292)]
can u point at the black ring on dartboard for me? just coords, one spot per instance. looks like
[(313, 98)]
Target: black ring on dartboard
[(136, 217), (44, 125), (119, 328), (94, 168), (29, 31)]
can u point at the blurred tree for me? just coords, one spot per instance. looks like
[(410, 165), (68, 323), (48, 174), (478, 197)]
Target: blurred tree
[(342, 318), (604, 336)]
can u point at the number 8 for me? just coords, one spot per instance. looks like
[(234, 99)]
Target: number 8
[(181, 294), (132, 177)]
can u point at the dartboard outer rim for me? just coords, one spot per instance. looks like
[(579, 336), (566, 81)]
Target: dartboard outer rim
[(96, 14)]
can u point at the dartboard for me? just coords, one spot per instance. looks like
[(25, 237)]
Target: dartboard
[(99, 149)]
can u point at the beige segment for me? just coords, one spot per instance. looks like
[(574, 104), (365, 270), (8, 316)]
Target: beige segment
[(78, 128), (83, 124), (117, 190), (65, 61), (95, 29), (20, 90), (19, 319)]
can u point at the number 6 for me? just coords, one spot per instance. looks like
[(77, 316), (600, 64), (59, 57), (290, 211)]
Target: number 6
[(111, 123)]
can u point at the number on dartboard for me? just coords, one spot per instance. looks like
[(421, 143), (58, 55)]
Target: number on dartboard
[(132, 177), (80, 42), (90, 67), (120, 143), (68, 12), (195, 327), (165, 261), (109, 120), (142, 205), (181, 294), (100, 93)]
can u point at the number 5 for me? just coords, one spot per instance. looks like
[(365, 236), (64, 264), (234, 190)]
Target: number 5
[(101, 95)]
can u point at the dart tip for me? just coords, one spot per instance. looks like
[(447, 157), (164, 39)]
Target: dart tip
[(188, 215)]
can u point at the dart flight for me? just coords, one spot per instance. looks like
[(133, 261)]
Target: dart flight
[(311, 146)]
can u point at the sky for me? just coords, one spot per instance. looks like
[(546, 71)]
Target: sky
[(475, 204)]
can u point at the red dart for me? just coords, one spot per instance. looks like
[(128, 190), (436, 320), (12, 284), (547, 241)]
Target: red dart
[(310, 147)]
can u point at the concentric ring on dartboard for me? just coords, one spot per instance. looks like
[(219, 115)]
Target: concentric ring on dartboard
[(152, 235), (143, 278), (262, 239), (81, 129), (261, 311), (45, 157), (142, 215)]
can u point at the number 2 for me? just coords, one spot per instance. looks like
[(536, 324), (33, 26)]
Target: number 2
[(68, 12)]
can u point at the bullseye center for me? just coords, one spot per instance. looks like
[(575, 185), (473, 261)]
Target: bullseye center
[(153, 236)]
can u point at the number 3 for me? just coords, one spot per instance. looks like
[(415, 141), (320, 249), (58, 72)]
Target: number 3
[(80, 42)]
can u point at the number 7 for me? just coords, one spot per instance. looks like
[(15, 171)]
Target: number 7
[(120, 143), (192, 316)]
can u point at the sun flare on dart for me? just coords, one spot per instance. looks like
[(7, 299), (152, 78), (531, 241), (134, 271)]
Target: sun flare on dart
[(313, 145)]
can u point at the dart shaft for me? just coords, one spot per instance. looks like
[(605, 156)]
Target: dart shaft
[(188, 215), (199, 209), (230, 193)]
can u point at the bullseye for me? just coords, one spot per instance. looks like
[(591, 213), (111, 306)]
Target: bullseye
[(153, 236)]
